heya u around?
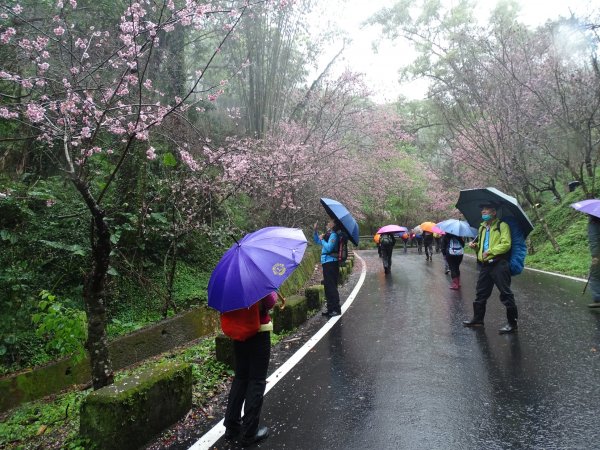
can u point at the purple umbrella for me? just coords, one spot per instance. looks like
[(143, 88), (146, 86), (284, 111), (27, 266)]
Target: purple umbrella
[(254, 267), (392, 229), (591, 207)]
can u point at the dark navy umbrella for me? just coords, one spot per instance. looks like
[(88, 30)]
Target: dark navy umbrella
[(470, 202), (591, 207), (254, 267), (338, 211)]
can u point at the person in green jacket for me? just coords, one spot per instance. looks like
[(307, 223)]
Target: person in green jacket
[(493, 246)]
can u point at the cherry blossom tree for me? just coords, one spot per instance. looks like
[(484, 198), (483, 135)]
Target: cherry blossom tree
[(88, 95)]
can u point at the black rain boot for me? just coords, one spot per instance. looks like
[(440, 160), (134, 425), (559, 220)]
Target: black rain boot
[(478, 315), (511, 316)]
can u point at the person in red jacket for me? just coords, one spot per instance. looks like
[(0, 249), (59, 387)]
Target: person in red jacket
[(248, 387)]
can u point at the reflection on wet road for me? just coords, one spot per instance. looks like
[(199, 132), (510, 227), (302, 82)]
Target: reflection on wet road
[(398, 371)]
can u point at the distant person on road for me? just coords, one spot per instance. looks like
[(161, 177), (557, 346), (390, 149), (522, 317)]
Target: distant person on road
[(329, 241), (493, 245), (387, 242), (438, 242), (248, 386), (594, 243), (376, 239), (453, 251), (419, 240), (428, 244), (405, 237)]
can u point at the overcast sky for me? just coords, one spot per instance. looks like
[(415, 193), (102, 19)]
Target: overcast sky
[(381, 68)]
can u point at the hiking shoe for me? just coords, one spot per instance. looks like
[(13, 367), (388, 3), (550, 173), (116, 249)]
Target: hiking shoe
[(261, 434), (594, 305)]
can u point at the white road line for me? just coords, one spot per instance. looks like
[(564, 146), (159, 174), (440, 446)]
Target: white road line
[(215, 433)]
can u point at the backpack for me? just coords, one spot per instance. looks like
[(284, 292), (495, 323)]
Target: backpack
[(454, 247), (241, 324), (342, 248), (386, 240), (518, 250)]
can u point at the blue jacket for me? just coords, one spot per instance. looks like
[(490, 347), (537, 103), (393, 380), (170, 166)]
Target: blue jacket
[(328, 247)]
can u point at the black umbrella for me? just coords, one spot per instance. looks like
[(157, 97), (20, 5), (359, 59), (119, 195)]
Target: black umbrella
[(470, 201)]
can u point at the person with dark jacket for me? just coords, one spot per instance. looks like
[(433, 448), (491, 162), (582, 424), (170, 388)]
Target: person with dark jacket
[(418, 237), (387, 242), (594, 243), (329, 242), (492, 246), (453, 251), (248, 387), (428, 244)]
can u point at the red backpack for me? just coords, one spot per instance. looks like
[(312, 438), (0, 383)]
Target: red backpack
[(241, 324)]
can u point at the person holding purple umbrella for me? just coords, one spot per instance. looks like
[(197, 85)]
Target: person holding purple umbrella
[(248, 386), (592, 209), (329, 241)]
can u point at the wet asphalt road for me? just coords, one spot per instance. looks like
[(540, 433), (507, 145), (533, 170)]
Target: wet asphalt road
[(399, 371)]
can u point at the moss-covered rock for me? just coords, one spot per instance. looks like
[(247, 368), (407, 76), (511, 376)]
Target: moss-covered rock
[(315, 296), (302, 273), (127, 414), (224, 350), (294, 314)]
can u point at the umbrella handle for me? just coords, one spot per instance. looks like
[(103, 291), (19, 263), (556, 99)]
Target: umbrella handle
[(282, 299)]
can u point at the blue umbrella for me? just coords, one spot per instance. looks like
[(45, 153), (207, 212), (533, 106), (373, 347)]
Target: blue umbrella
[(457, 228), (254, 267), (338, 211)]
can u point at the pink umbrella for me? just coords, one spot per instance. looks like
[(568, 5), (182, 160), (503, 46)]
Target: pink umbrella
[(392, 229), (437, 230)]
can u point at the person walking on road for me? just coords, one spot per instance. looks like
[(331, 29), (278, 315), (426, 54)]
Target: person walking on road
[(418, 237), (453, 251), (329, 242), (405, 237), (428, 244), (248, 386), (387, 242), (594, 243), (492, 246)]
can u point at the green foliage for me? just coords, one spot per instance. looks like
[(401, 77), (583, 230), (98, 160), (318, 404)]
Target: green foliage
[(20, 427), (570, 230), (64, 329)]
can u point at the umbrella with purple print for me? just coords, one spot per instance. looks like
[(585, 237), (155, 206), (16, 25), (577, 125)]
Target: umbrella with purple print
[(255, 266)]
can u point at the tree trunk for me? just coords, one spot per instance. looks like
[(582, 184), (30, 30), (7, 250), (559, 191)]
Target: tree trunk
[(93, 291), (540, 218)]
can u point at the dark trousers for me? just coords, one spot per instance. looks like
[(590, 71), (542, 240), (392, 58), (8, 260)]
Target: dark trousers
[(428, 248), (405, 242), (331, 274), (420, 246), (251, 365), (386, 256), (499, 275), (454, 264)]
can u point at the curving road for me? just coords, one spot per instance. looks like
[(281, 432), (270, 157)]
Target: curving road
[(398, 370)]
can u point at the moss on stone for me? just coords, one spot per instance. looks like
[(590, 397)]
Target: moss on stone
[(224, 350), (294, 314), (315, 296), (130, 412)]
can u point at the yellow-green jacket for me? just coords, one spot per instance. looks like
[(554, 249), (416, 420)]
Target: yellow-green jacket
[(500, 241)]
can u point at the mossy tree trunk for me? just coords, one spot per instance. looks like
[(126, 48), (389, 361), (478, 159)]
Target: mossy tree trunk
[(93, 291)]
